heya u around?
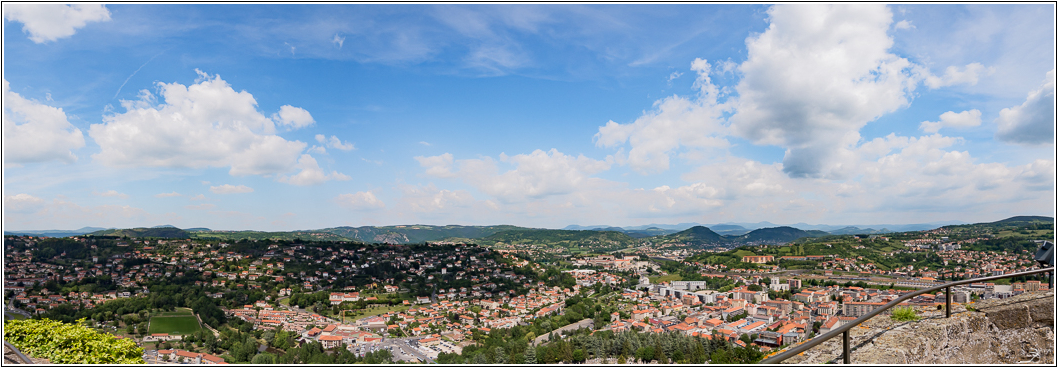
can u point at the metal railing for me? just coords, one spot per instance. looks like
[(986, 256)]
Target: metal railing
[(18, 354), (844, 330)]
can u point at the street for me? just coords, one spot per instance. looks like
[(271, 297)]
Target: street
[(584, 323)]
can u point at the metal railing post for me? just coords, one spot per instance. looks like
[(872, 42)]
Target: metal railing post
[(947, 302), (845, 347), (844, 330)]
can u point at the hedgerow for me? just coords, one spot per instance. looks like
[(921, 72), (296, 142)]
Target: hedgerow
[(65, 343)]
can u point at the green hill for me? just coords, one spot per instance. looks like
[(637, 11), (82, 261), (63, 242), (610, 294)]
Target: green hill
[(572, 240), (781, 234), (309, 235), (1028, 227), (143, 232), (696, 236), (648, 232), (1017, 220)]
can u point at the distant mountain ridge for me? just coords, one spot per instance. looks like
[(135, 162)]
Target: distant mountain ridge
[(143, 232), (56, 233), (698, 235), (741, 228), (702, 236), (781, 234), (691, 233), (416, 233)]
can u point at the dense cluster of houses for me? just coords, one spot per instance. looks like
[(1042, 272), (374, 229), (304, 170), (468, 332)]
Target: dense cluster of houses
[(689, 307), (187, 357)]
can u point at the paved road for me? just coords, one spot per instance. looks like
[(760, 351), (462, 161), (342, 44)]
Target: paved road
[(11, 308), (299, 310), (403, 343), (584, 323), (215, 332)]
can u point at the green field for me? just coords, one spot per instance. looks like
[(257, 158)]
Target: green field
[(1023, 233), (370, 312), (669, 277), (181, 325), (743, 253), (178, 312)]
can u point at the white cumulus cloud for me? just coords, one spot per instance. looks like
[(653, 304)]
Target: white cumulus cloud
[(535, 175), (334, 142), (969, 74), (35, 132), (438, 166), (208, 124), (22, 203), (50, 22), (167, 195), (1032, 122), (360, 201), (963, 119), (293, 117), (816, 76), (311, 173), (429, 199), (230, 189), (674, 122)]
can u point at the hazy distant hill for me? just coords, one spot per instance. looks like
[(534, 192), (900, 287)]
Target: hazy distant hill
[(637, 232), (55, 233), (852, 230), (416, 233), (143, 232), (677, 227), (590, 227), (723, 229), (583, 240), (234, 235), (648, 232)]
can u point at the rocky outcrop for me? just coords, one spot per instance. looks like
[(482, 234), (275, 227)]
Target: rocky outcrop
[(1007, 331)]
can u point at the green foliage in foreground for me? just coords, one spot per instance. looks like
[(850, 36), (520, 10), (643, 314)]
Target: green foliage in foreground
[(63, 343), (904, 314)]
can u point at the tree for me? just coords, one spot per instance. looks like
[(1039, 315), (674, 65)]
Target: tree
[(263, 358), (530, 355), (659, 355), (500, 355), (578, 356)]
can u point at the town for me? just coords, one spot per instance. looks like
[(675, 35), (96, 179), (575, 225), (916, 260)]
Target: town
[(203, 302)]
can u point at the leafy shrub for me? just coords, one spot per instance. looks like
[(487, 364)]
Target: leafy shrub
[(63, 343), (904, 314)]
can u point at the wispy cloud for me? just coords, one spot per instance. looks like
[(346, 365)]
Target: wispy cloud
[(338, 40), (111, 193), (230, 189)]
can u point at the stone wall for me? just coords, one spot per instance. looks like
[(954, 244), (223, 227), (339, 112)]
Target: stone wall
[(1007, 331)]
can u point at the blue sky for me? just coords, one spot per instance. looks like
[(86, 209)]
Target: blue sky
[(282, 117)]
